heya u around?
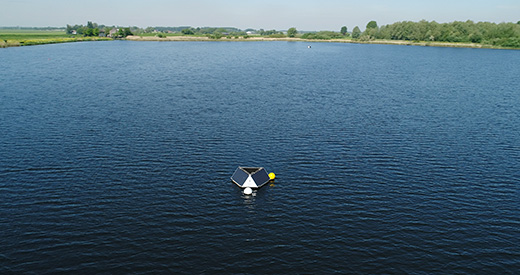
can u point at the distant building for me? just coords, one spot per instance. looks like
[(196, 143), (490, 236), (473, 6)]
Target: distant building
[(113, 32)]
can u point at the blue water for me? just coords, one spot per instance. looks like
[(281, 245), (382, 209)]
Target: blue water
[(115, 157)]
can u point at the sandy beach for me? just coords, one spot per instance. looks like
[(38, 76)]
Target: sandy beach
[(259, 38)]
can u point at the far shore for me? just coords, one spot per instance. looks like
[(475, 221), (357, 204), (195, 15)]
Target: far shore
[(354, 41), (15, 43)]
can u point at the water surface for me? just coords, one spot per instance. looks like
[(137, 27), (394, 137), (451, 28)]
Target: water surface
[(116, 157)]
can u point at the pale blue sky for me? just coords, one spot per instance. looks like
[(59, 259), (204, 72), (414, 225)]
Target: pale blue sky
[(266, 14)]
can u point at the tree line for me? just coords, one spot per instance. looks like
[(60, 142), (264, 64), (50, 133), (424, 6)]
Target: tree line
[(502, 34), (93, 29)]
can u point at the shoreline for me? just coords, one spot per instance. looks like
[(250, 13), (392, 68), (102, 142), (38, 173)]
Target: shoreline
[(32, 42), (44, 41), (350, 41)]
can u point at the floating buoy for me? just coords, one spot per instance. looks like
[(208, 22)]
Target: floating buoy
[(254, 177), (248, 191), (272, 176)]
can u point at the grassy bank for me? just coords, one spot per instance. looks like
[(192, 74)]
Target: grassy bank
[(16, 37)]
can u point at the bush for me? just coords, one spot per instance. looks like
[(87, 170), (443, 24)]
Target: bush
[(512, 42), (323, 35), (215, 35), (292, 32), (277, 35), (187, 32)]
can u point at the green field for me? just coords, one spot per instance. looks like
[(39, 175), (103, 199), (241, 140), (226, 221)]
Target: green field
[(23, 37)]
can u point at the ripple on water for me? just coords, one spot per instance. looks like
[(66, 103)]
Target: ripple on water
[(388, 159)]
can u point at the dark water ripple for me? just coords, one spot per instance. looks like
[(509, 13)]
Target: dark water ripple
[(116, 158)]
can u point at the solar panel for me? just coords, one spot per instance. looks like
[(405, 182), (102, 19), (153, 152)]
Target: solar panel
[(261, 177), (239, 177)]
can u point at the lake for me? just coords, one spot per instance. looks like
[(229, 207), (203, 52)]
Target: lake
[(116, 157)]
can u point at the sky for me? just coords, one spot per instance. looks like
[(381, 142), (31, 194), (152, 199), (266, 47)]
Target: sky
[(309, 15)]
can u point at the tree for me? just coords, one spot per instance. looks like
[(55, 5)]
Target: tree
[(369, 34), (324, 35), (356, 32), (269, 32), (292, 32), (127, 32), (124, 32), (187, 32), (372, 25), (343, 30), (89, 32), (215, 35), (69, 29)]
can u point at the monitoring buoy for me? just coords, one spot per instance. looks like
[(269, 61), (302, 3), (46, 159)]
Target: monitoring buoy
[(248, 191), (272, 176)]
